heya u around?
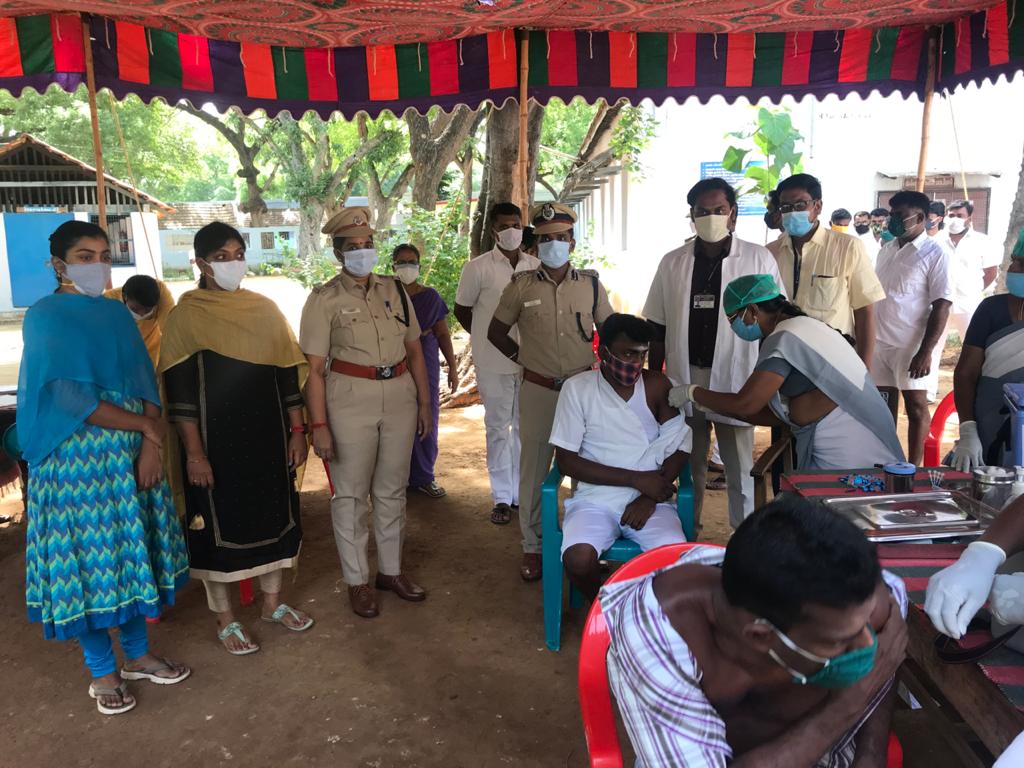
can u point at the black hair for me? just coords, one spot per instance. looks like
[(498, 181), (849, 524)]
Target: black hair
[(67, 234), (630, 326), (405, 247), (210, 238), (710, 185), (840, 214), (880, 212), (143, 289), (862, 213), (793, 553), (937, 207), (773, 198), (529, 239), (915, 200), (804, 181), (504, 209), (963, 204)]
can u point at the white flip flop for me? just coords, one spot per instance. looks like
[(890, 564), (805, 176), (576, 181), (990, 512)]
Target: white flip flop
[(121, 690), (150, 673)]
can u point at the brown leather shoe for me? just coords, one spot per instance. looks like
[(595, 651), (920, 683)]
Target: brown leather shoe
[(401, 586), (364, 601), (530, 570)]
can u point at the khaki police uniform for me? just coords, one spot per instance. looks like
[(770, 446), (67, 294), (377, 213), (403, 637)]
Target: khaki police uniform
[(373, 421), (556, 328)]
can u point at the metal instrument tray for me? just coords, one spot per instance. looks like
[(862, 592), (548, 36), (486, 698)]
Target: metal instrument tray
[(906, 516)]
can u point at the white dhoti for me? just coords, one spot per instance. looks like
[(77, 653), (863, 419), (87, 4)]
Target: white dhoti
[(598, 526)]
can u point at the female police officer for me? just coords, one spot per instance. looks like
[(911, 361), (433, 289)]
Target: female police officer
[(368, 400)]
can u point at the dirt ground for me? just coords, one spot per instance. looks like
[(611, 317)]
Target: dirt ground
[(463, 679)]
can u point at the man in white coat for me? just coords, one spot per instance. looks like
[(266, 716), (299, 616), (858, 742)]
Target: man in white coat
[(498, 378), (693, 338), (616, 433)]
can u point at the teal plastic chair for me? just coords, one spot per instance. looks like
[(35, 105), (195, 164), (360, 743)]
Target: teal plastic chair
[(619, 552)]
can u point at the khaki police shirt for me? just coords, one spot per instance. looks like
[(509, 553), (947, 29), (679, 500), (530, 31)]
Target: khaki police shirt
[(556, 321), (363, 325), (836, 276)]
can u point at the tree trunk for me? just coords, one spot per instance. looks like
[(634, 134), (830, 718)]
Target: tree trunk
[(311, 219), (500, 165), (468, 393), (433, 146), (466, 168), (1016, 225)]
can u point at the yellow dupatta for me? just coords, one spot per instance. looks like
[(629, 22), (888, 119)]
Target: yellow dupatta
[(152, 327), (242, 325)]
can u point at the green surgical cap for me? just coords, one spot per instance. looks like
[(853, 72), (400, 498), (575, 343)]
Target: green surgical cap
[(749, 289), (1018, 249)]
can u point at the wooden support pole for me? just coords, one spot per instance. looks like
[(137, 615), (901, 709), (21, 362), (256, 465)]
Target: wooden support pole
[(90, 82), (926, 114), (521, 191)]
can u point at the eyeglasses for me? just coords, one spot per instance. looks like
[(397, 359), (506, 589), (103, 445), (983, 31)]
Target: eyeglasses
[(799, 205)]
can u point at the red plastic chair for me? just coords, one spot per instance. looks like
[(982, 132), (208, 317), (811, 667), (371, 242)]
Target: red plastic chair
[(595, 696), (933, 443)]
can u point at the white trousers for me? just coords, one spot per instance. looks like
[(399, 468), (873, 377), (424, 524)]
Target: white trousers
[(500, 394), (736, 444), (218, 596), (598, 526)]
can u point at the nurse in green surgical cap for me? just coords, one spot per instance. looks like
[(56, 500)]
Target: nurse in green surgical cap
[(808, 377)]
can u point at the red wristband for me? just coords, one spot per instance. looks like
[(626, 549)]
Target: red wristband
[(318, 424), (300, 429)]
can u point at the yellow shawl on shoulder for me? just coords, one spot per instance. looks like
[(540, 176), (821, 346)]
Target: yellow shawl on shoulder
[(151, 328)]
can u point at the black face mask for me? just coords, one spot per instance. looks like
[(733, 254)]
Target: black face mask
[(862, 229)]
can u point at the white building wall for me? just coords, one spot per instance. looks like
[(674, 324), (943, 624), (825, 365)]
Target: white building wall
[(847, 144)]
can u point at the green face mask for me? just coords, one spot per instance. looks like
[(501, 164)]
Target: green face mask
[(840, 671)]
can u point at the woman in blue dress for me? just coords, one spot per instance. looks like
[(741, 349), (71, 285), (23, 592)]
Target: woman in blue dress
[(104, 547)]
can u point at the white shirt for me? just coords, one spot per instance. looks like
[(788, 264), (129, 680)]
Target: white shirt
[(668, 304), (480, 286), (871, 245), (913, 276), (593, 421), (967, 259)]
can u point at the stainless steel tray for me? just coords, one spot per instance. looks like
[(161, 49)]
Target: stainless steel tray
[(907, 516)]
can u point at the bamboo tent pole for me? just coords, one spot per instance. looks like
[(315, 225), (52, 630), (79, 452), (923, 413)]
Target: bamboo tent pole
[(521, 185), (97, 146), (926, 113)]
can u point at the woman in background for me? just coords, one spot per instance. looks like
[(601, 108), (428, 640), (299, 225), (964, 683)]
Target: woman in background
[(103, 548), (431, 312), (234, 374)]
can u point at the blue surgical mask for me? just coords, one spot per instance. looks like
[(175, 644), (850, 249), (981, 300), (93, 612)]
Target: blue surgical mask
[(840, 671), (797, 223), (1015, 283), (746, 332), (553, 253)]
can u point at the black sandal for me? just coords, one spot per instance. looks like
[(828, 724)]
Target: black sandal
[(501, 514)]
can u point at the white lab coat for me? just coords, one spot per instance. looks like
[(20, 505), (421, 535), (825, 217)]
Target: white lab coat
[(593, 421), (668, 304)]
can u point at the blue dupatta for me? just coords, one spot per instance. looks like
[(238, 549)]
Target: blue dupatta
[(76, 347)]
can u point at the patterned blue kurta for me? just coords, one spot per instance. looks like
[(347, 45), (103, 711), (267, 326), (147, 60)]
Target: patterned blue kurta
[(99, 551)]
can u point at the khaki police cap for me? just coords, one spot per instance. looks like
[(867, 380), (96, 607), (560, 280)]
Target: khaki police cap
[(349, 222), (550, 218)]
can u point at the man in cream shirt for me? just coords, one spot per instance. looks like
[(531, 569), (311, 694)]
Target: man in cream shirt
[(498, 378), (693, 338), (828, 274)]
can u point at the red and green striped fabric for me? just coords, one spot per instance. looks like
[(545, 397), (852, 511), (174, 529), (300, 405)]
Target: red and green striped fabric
[(41, 45)]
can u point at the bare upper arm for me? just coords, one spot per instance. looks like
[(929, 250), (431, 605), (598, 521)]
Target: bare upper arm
[(657, 386)]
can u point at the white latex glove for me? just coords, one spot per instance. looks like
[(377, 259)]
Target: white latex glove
[(956, 593), (1006, 601), (969, 451), (678, 397), (1013, 757)]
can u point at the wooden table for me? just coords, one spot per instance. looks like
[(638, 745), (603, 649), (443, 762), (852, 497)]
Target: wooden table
[(988, 696)]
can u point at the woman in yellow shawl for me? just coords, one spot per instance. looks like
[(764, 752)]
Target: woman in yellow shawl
[(233, 373), (150, 301)]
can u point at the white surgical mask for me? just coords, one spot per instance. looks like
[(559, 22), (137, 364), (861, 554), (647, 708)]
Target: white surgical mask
[(89, 279), (139, 318), (360, 262), (228, 274), (712, 228), (408, 273), (553, 253), (955, 225), (509, 239)]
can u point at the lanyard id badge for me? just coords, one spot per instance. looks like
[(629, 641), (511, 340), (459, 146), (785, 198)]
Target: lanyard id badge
[(704, 301)]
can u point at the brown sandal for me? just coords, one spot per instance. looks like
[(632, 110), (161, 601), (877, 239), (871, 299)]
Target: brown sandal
[(501, 514), (531, 570)]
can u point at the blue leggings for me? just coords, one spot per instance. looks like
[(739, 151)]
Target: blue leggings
[(99, 651)]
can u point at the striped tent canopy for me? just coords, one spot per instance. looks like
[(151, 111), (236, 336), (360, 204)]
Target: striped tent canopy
[(157, 63)]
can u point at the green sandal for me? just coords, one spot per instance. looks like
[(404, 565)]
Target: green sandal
[(283, 610), (235, 628)]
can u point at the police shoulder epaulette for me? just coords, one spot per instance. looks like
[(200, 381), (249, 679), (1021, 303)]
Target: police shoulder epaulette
[(323, 286), (526, 274), (587, 273)]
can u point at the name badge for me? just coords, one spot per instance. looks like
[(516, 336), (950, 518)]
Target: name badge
[(534, 303), (704, 301), (350, 310)]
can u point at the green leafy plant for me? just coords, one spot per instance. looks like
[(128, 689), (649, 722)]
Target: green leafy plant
[(310, 270), (632, 133), (772, 139)]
